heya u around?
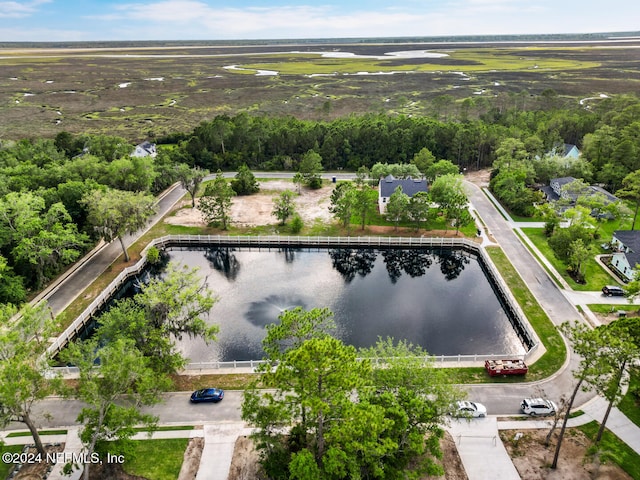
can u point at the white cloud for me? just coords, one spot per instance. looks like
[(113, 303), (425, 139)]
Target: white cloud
[(20, 9), (44, 35), (203, 19)]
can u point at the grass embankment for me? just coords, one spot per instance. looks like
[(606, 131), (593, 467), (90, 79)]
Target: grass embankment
[(612, 449), (556, 350), (552, 274)]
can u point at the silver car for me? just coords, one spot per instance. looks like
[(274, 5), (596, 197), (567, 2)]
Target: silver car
[(468, 409), (538, 406)]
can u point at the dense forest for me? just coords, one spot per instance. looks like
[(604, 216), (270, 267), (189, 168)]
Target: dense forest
[(45, 183)]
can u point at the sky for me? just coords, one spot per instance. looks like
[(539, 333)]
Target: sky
[(103, 20)]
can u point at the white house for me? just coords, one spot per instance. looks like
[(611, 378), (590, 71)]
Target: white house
[(627, 254), (388, 185), (145, 149)]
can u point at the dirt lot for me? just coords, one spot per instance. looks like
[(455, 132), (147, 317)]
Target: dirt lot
[(252, 210), (532, 459)]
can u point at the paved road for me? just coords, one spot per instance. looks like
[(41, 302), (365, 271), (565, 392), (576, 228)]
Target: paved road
[(500, 399), (482, 460), (74, 284), (503, 399)]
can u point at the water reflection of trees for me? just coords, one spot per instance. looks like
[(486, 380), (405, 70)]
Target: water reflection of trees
[(349, 262), (289, 254), (452, 263), (224, 260), (412, 262)]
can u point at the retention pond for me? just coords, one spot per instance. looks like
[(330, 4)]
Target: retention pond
[(440, 299)]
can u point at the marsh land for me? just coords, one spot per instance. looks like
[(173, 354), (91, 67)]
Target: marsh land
[(147, 91)]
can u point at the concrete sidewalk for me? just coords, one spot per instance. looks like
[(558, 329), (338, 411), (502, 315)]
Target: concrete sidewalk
[(618, 423), (483, 455), (219, 442)]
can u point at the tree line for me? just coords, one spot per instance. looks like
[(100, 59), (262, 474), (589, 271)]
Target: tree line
[(49, 216)]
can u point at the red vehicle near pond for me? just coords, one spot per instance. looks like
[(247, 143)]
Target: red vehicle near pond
[(505, 367)]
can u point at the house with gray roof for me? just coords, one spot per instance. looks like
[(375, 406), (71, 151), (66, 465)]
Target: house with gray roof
[(627, 255), (554, 192), (388, 185), (145, 149)]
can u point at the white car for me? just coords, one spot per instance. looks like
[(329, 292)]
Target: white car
[(469, 409), (538, 406)]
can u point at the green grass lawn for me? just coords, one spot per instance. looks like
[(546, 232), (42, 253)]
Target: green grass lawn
[(594, 274), (157, 459), (41, 432), (5, 468), (552, 275), (608, 308), (614, 450), (438, 223), (630, 404)]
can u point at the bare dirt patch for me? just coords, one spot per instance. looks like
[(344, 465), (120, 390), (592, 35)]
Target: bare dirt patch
[(245, 463), (613, 314), (35, 471), (254, 210), (532, 458), (191, 462), (478, 177)]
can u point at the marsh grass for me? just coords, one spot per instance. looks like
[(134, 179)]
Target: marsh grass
[(203, 88)]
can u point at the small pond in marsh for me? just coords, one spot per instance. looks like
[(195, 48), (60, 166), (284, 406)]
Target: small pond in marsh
[(439, 299)]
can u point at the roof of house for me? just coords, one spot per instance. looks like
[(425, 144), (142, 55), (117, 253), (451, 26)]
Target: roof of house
[(631, 240), (609, 196), (409, 186), (590, 190), (567, 148), (147, 147), (550, 193), (562, 181)]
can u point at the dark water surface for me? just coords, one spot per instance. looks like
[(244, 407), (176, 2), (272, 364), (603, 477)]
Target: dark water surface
[(440, 300)]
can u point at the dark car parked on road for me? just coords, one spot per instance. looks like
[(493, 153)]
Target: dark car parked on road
[(612, 290), (207, 395)]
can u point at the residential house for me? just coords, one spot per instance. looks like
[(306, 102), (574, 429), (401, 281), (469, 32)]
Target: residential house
[(569, 151), (145, 149), (388, 185), (626, 245), (554, 192)]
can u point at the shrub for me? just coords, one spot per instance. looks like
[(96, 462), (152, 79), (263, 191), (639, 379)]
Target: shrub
[(296, 224)]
